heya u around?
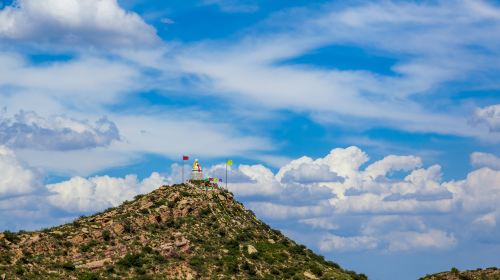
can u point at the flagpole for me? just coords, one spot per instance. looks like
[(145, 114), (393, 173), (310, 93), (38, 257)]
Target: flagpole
[(226, 174), (183, 171)]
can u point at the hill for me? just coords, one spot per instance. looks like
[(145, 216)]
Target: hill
[(174, 232), (491, 273)]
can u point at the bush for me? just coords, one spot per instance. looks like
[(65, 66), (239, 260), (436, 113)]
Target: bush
[(86, 247), (147, 250), (127, 227), (196, 263), (316, 269), (132, 260), (455, 270), (68, 266), (11, 236), (106, 235)]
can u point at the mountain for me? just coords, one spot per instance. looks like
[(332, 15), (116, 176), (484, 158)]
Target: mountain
[(491, 273), (175, 232)]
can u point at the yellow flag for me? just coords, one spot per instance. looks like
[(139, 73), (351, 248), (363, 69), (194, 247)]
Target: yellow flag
[(230, 162)]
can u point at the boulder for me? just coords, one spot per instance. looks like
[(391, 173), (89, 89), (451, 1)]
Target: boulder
[(118, 229), (182, 242), (96, 264), (309, 275), (251, 249)]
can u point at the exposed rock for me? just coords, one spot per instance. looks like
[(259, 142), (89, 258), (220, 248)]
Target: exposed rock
[(118, 229), (309, 275), (146, 204), (251, 249), (181, 242), (78, 239), (96, 264), (271, 241)]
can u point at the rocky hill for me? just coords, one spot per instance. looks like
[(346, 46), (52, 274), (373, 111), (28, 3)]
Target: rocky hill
[(174, 232), (492, 273)]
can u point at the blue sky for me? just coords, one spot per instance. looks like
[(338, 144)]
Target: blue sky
[(395, 106)]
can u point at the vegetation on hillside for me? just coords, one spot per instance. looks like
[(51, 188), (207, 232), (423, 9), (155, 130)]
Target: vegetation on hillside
[(491, 273), (174, 232)]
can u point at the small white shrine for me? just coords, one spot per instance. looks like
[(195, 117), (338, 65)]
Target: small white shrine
[(196, 173)]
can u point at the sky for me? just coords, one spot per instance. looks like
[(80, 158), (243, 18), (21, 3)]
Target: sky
[(367, 130)]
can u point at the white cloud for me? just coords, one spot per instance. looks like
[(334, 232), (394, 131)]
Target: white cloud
[(485, 160), (322, 223), (97, 193), (277, 211), (15, 179), (350, 243), (305, 171), (478, 193), (247, 180), (241, 72), (392, 163), (490, 116), (57, 132), (432, 239), (75, 22)]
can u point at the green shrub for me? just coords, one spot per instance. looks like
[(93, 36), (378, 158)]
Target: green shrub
[(11, 236), (455, 270), (106, 235), (316, 269), (132, 260), (127, 227), (86, 247), (68, 266), (196, 263)]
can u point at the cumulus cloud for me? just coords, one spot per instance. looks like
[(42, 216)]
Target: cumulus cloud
[(306, 171), (479, 192), (15, 179), (28, 130), (248, 180), (478, 159), (369, 209), (490, 116), (75, 22), (97, 193)]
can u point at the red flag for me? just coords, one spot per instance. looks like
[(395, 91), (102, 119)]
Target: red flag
[(185, 157)]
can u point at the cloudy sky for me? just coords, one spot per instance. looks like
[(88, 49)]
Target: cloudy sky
[(368, 130)]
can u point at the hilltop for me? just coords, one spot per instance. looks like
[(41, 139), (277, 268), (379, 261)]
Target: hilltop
[(174, 232), (491, 273)]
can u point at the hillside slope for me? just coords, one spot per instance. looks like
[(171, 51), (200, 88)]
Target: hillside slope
[(478, 274), (174, 232)]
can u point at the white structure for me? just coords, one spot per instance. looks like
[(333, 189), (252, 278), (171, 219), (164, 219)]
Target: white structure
[(196, 173)]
